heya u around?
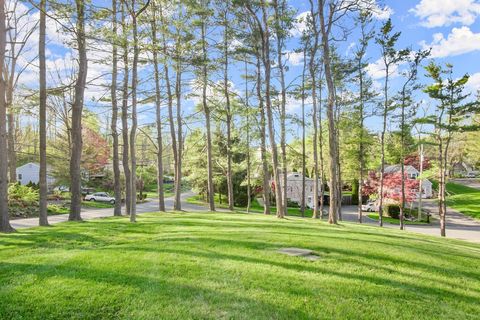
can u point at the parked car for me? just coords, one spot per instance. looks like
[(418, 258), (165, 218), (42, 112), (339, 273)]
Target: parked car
[(471, 174), (369, 206), (100, 197), (62, 189), (87, 191)]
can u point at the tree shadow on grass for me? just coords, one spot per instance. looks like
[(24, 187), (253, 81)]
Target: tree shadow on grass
[(154, 292)]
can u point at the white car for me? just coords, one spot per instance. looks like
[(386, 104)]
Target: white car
[(471, 175), (369, 207), (100, 197)]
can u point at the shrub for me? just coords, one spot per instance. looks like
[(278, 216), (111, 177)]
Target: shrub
[(22, 195), (292, 204), (393, 211)]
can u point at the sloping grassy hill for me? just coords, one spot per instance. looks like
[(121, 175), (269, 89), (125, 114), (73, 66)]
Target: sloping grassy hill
[(464, 199), (226, 266)]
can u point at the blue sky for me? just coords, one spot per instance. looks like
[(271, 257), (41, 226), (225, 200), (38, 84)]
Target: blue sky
[(450, 27)]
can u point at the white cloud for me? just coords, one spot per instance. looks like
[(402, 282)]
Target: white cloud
[(294, 58), (473, 84), (382, 13), (435, 13), (376, 70), (300, 24), (459, 41)]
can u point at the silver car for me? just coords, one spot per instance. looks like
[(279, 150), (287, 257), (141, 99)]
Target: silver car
[(100, 197)]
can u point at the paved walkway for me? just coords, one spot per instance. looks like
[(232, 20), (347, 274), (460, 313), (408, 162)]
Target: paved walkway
[(89, 213), (469, 182)]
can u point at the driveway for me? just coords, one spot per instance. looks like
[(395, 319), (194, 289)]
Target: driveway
[(469, 182), (89, 213), (459, 226)]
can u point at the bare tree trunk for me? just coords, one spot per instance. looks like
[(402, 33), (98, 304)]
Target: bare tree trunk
[(334, 208), (320, 142), (176, 205), (229, 118), (133, 129), (117, 211), (283, 98), (178, 170), (268, 106), (77, 108), (12, 154), (161, 199), (43, 214), (316, 212), (206, 111), (382, 144), (4, 218), (249, 191), (263, 143), (420, 186), (302, 203), (402, 164), (125, 149)]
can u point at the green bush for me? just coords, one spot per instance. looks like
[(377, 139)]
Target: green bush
[(292, 204), (393, 211), (22, 196)]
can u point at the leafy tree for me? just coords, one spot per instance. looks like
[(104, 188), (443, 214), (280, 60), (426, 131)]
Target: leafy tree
[(451, 109)]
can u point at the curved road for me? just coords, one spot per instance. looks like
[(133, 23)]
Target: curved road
[(90, 213)]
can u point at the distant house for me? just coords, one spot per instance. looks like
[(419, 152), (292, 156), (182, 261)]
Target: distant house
[(294, 188), (461, 169), (412, 173), (30, 172)]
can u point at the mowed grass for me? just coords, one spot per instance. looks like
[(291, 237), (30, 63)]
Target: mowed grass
[(226, 266), (254, 208), (464, 199)]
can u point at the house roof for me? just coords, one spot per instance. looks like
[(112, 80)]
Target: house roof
[(35, 164), (397, 168)]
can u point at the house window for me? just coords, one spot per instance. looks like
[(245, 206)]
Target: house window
[(19, 176)]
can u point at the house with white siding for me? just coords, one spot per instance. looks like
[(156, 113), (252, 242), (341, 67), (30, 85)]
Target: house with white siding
[(30, 172), (412, 173)]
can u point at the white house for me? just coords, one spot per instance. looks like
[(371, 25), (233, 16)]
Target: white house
[(294, 187), (412, 173), (30, 172)]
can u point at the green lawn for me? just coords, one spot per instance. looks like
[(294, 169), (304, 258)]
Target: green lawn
[(96, 204), (225, 266), (464, 199), (390, 220), (255, 206)]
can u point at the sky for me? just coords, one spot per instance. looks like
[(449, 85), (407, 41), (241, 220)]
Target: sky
[(451, 28)]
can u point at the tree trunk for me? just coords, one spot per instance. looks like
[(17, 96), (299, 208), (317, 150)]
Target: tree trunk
[(283, 99), (263, 144), (249, 192), (43, 214), (268, 105), (420, 187), (133, 129), (4, 218), (302, 203), (334, 208), (316, 212), (229, 119), (161, 200), (77, 108), (206, 111), (176, 205), (117, 211), (178, 94), (125, 94)]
